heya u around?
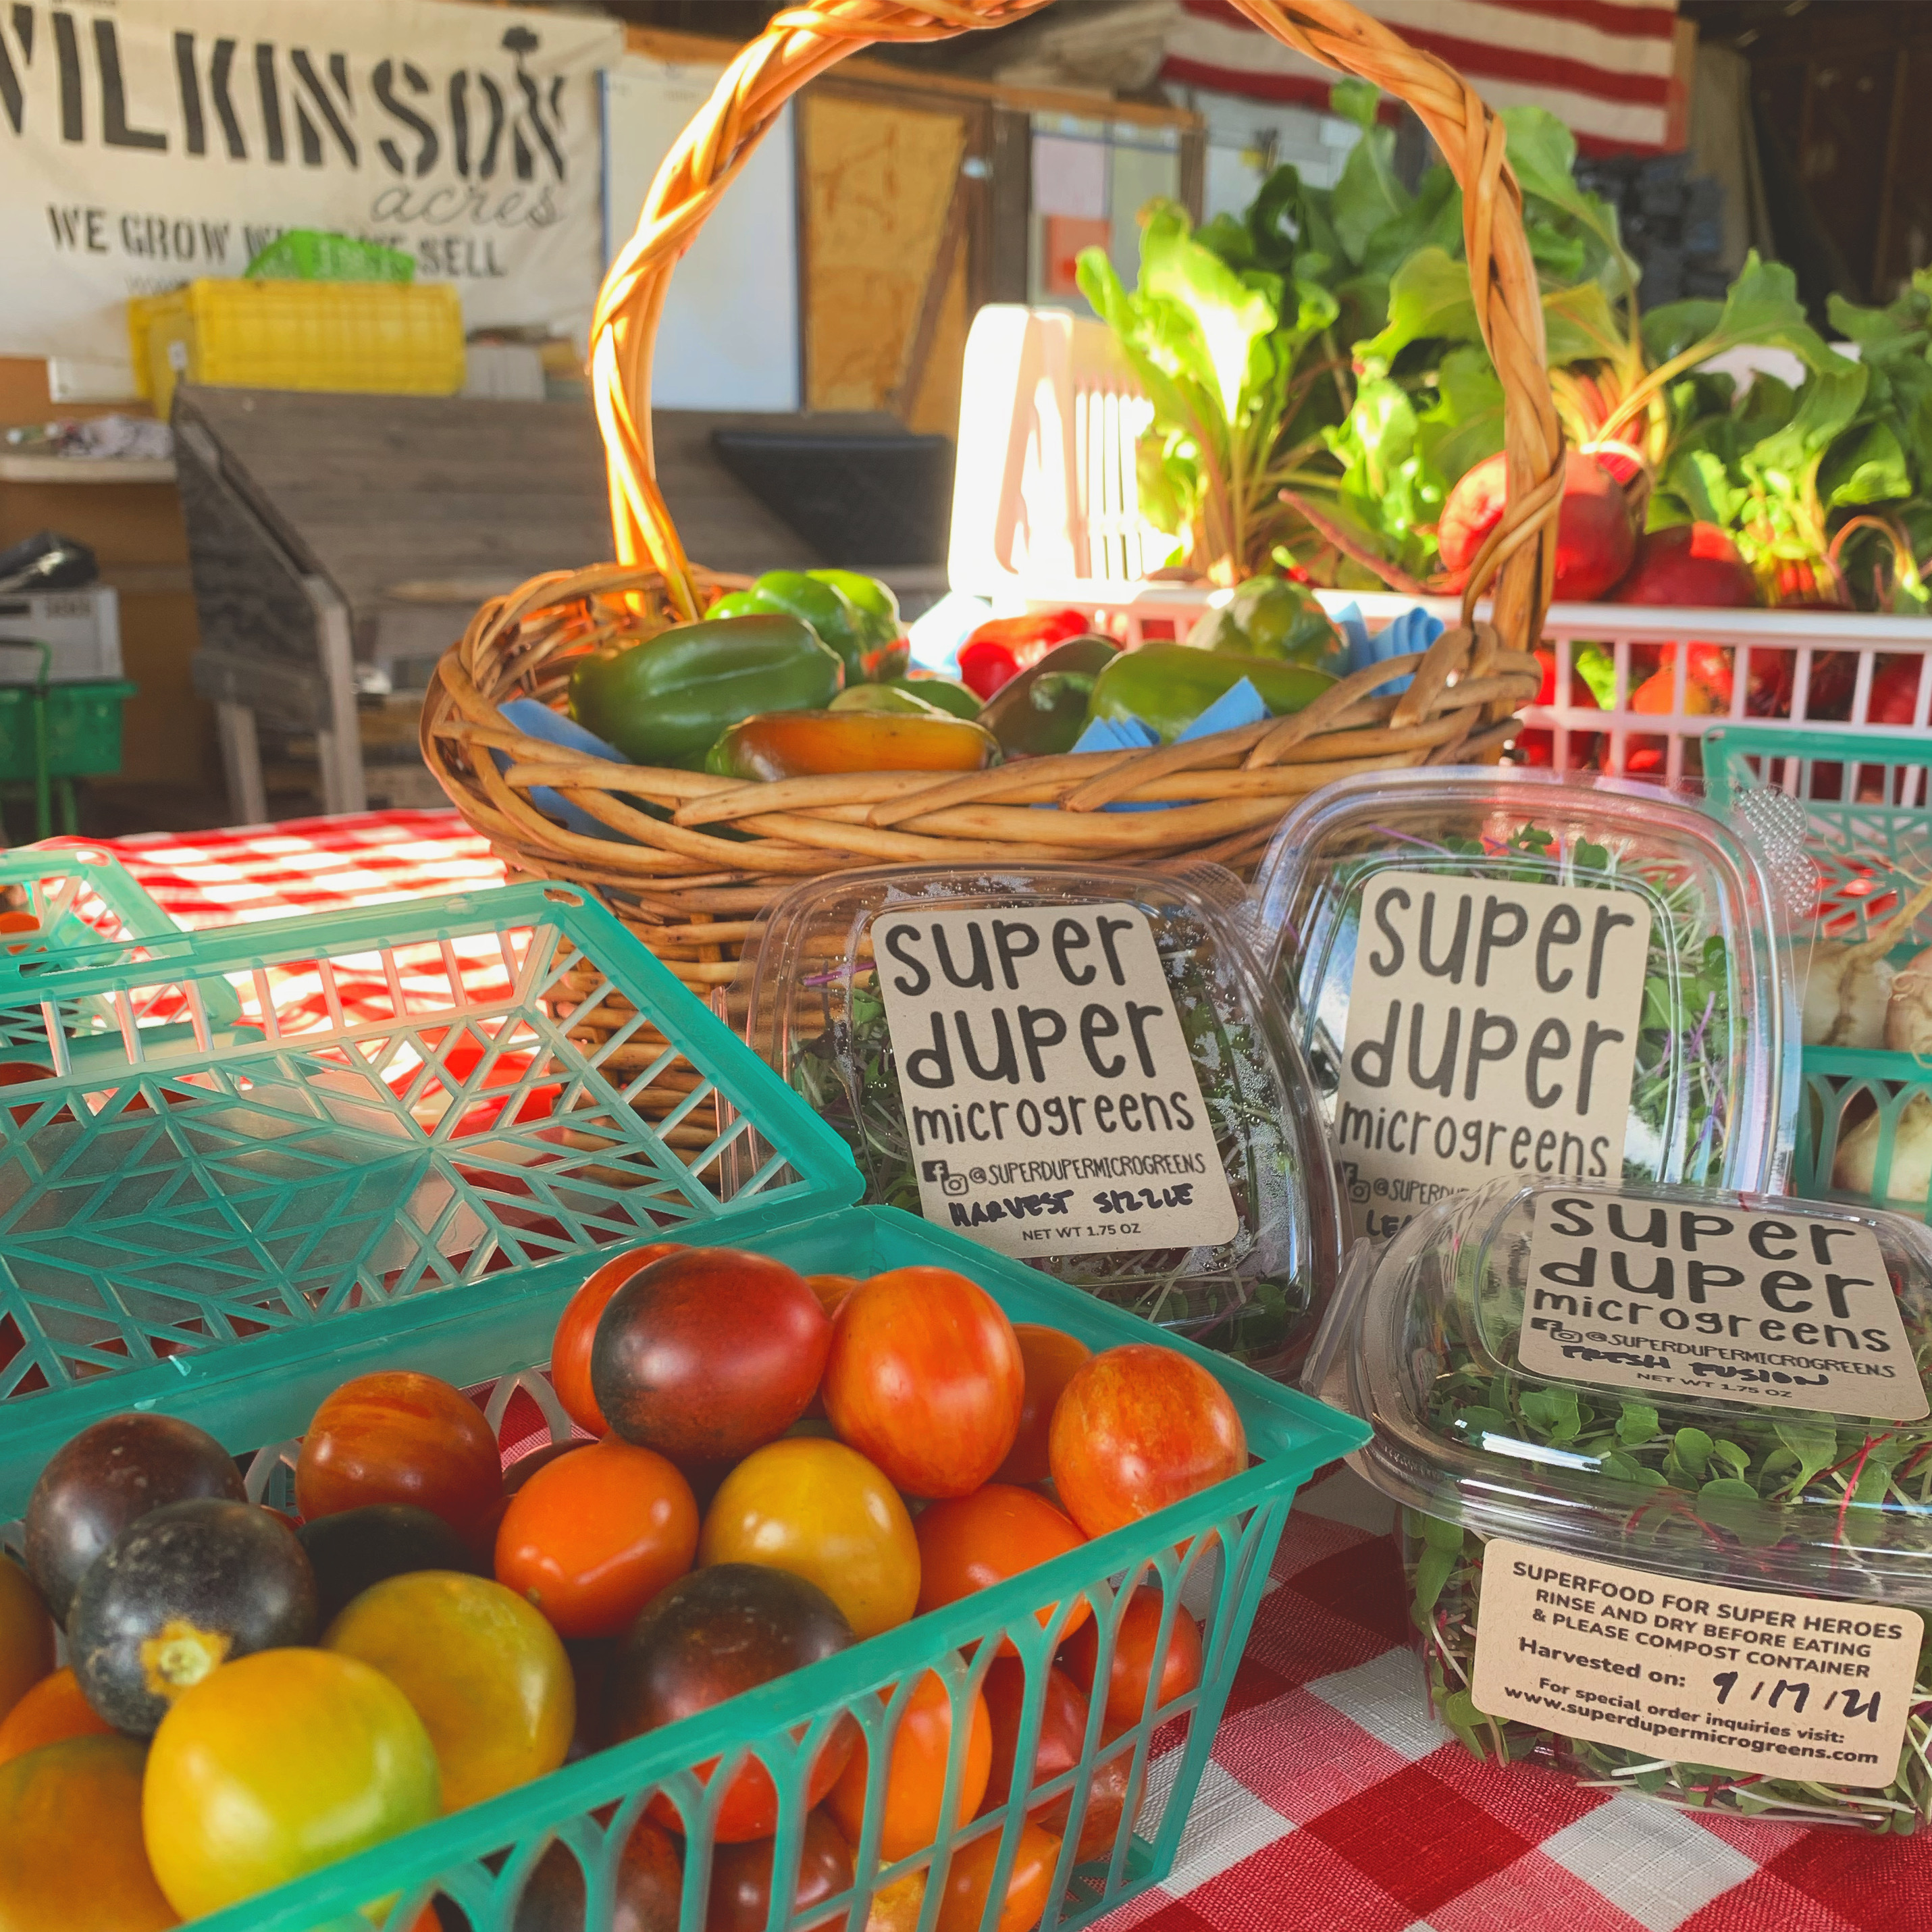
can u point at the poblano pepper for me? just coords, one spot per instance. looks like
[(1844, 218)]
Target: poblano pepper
[(666, 700), (1168, 686)]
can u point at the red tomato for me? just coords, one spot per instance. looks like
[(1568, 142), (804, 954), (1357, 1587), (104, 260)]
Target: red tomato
[(1132, 1663), (402, 1438), (570, 1353), (969, 1879), (708, 1353), (1894, 690), (26, 1635), (1050, 1356), (593, 1536), (831, 1290), (1063, 1732), (915, 1773), (970, 1542), (741, 1880), (1138, 1428), (926, 1379)]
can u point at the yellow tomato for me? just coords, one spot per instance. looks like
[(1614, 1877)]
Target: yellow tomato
[(276, 1765), (822, 1511), (487, 1675)]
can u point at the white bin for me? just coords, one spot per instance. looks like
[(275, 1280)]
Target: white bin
[(81, 629)]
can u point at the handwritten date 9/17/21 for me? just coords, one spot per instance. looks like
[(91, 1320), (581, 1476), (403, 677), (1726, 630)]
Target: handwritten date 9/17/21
[(1791, 1695)]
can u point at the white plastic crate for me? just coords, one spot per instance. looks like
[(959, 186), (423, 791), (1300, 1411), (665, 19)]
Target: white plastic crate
[(81, 629), (1046, 514)]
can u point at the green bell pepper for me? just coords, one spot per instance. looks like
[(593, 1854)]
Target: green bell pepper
[(1271, 617), (666, 700), (1168, 686), (878, 609), (857, 617)]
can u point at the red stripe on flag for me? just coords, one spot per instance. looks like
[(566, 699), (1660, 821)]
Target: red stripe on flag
[(1478, 57)]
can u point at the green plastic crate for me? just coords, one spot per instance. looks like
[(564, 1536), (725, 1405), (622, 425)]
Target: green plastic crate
[(1871, 852), (83, 729), (263, 1268)]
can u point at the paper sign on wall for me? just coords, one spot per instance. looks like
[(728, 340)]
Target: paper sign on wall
[(1492, 1030), (149, 142), (1743, 1680), (1711, 1303), (1051, 1100)]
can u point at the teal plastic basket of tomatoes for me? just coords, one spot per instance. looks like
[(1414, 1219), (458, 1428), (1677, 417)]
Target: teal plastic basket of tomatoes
[(860, 1578)]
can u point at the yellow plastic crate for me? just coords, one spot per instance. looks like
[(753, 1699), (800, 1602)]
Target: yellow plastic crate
[(379, 337)]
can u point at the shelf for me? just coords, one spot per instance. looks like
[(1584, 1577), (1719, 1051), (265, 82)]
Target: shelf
[(18, 469)]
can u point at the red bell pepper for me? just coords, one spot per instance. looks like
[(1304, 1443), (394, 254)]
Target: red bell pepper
[(1001, 648)]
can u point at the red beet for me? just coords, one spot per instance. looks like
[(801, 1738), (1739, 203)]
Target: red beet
[(1594, 541), (1693, 565)]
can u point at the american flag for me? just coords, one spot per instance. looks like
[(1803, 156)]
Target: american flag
[(1604, 68)]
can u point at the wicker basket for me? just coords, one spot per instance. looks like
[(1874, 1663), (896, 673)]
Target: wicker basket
[(690, 895)]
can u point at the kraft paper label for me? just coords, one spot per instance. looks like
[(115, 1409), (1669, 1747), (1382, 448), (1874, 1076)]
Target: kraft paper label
[(1492, 1030), (1716, 1304), (1051, 1100), (1746, 1680)]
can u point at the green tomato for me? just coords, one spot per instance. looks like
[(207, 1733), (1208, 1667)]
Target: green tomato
[(900, 698), (945, 692)]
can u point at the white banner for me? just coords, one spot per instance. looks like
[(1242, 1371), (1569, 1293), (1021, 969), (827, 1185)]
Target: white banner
[(147, 142)]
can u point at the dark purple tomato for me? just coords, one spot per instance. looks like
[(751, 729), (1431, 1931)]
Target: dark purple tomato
[(362, 1547), (720, 1630), (108, 1477), (741, 1879), (186, 1588), (708, 1354), (645, 1897)]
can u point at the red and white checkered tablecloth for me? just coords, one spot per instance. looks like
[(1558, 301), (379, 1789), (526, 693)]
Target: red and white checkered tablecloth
[(1334, 1802)]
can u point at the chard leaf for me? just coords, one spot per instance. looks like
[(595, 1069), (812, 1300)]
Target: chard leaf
[(1368, 195), (1543, 153), (1869, 468), (1429, 295), (1465, 423), (1812, 1441), (1636, 1424), (1692, 1449)]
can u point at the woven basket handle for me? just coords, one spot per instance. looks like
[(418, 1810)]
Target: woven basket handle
[(803, 42)]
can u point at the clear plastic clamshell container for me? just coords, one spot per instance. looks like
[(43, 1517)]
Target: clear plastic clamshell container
[(1497, 974), (1077, 1066), (1665, 1456)]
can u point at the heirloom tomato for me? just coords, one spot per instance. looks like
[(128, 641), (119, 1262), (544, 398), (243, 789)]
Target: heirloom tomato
[(484, 1673), (822, 1511), (26, 1635), (926, 1379), (708, 1353), (969, 1879), (401, 1438), (570, 1352), (592, 1538), (646, 1893), (72, 1858), (276, 1765), (970, 1542), (915, 1787), (1137, 1428), (55, 1707), (1050, 1356), (709, 1636), (741, 1879), (1133, 1659)]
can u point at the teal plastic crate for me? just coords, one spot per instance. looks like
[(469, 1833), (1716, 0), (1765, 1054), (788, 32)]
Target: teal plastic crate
[(294, 1157), (1866, 800), (79, 898)]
